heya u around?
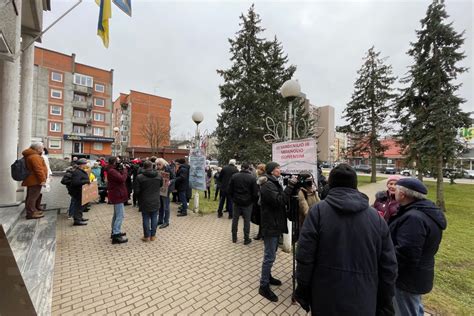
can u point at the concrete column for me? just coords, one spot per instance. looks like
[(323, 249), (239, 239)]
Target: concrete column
[(26, 94), (9, 106)]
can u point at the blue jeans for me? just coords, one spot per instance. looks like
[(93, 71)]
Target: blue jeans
[(228, 203), (184, 201), (407, 304), (269, 255), (117, 219), (150, 222), (164, 216)]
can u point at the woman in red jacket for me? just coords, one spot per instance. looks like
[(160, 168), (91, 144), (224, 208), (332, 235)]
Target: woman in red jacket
[(385, 202), (117, 195)]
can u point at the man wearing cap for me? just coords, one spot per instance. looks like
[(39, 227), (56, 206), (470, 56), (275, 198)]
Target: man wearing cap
[(416, 232), (273, 201), (345, 258), (79, 177)]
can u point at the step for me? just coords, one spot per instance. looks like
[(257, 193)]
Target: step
[(33, 243), (10, 215)]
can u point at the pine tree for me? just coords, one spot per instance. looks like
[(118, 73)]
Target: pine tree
[(368, 111), (429, 109), (250, 92)]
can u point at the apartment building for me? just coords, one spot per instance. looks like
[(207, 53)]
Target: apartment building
[(72, 106), (132, 113)]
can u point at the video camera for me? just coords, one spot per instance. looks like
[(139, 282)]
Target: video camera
[(301, 179)]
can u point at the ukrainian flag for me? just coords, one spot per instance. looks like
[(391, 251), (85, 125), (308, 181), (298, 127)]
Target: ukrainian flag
[(105, 14)]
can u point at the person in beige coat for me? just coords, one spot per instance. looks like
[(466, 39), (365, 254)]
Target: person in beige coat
[(307, 197)]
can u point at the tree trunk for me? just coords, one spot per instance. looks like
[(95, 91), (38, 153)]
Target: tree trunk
[(439, 183), (419, 168)]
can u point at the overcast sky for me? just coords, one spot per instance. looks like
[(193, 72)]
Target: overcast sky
[(173, 48)]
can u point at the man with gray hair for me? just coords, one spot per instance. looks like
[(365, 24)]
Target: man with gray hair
[(224, 179), (37, 178), (416, 232)]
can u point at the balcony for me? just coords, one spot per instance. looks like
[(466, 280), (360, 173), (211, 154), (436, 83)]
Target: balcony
[(79, 120), (80, 104), (82, 89)]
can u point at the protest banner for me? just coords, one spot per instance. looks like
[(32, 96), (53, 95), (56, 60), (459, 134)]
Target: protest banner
[(166, 183), (197, 171), (296, 156), (90, 192)]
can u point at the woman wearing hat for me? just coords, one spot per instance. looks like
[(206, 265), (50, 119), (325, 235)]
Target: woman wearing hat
[(385, 202)]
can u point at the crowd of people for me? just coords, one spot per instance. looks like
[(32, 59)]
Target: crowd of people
[(352, 258)]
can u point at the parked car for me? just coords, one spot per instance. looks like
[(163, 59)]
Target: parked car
[(468, 174), (406, 172), (325, 165), (390, 170), (363, 168)]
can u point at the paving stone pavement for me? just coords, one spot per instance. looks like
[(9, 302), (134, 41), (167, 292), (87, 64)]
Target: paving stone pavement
[(192, 268)]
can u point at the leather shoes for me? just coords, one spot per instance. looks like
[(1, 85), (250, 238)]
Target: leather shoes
[(219, 215), (182, 214), (274, 281), (268, 293), (121, 234), (248, 241), (84, 219), (79, 223), (164, 225), (34, 216)]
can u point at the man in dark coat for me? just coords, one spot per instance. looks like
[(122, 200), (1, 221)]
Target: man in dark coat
[(147, 188), (273, 202), (182, 184), (243, 193), (117, 195), (346, 263), (224, 179), (416, 232), (79, 177)]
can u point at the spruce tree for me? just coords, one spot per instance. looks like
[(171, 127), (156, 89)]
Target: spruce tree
[(250, 92), (368, 112), (428, 108)]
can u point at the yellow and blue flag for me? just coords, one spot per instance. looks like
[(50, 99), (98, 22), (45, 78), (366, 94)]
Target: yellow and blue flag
[(105, 14), (124, 5)]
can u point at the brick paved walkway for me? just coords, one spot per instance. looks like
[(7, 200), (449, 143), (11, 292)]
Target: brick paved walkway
[(192, 268)]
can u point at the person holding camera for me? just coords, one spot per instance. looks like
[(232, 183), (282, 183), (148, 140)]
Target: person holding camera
[(117, 194), (346, 261), (307, 196), (273, 201)]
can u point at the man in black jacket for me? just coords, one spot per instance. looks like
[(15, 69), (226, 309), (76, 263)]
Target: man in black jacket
[(181, 185), (273, 202), (147, 188), (243, 193), (79, 177), (416, 232), (224, 179), (346, 263)]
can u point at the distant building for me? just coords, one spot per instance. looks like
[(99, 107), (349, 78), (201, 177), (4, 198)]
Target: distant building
[(340, 146), (72, 106), (132, 113), (326, 130), (391, 157)]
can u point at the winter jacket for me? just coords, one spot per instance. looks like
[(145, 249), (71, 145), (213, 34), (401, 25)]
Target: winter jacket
[(182, 178), (306, 199), (416, 233), (225, 175), (37, 167), (386, 204), (216, 180), (346, 262), (78, 179), (243, 188), (116, 189), (147, 188), (273, 201)]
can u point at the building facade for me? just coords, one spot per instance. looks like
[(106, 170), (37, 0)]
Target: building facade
[(141, 124), (72, 106), (326, 128)]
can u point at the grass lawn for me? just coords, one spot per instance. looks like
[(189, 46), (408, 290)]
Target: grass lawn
[(363, 180), (453, 292)]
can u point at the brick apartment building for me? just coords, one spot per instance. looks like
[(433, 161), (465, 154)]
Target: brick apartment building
[(131, 112), (72, 106)]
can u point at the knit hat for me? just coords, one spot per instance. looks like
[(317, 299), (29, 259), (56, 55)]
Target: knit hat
[(413, 184), (82, 161), (343, 176), (393, 177), (271, 166)]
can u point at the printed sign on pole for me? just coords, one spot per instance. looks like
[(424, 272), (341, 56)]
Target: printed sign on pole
[(197, 171), (296, 156)]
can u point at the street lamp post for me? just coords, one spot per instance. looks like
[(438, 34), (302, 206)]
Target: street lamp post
[(116, 132), (290, 90), (197, 117)]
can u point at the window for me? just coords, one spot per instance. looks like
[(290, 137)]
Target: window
[(83, 80), (99, 87), (124, 128), (55, 144), (55, 110), (79, 97), (78, 148), (79, 114), (56, 76), (56, 94), (98, 146), (99, 102), (124, 138), (98, 131), (99, 117), (78, 129), (54, 127)]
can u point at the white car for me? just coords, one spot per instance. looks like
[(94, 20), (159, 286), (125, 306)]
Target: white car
[(468, 174)]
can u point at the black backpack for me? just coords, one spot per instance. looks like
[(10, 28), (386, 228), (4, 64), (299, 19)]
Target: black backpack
[(67, 178), (18, 170)]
